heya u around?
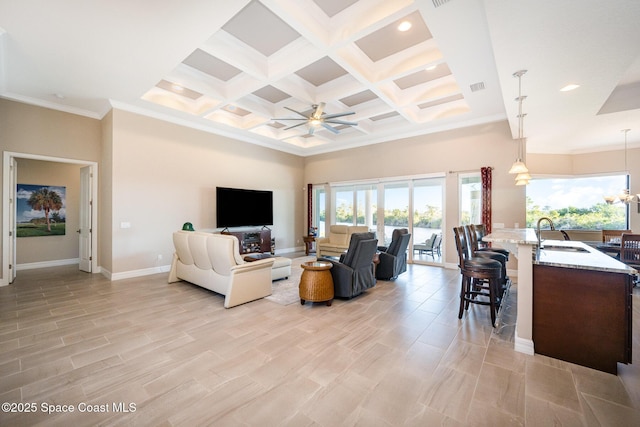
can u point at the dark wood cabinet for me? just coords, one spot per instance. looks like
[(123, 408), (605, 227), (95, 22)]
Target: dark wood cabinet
[(582, 316), (254, 241)]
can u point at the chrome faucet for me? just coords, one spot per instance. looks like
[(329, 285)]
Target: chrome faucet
[(544, 218)]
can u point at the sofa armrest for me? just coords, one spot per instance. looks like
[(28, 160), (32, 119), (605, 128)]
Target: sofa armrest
[(254, 265), (322, 240), (173, 273)]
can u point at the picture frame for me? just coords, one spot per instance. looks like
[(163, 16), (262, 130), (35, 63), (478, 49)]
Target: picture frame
[(40, 210)]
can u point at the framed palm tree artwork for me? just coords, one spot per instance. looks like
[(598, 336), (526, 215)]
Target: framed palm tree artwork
[(40, 210)]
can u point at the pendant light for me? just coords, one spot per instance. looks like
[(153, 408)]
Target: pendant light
[(625, 196), (519, 167)]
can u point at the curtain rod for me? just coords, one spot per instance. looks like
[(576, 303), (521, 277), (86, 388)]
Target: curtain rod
[(470, 170)]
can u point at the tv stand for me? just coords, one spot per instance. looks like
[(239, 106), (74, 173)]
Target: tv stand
[(253, 241)]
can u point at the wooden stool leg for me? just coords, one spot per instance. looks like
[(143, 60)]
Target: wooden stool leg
[(463, 294), (493, 283)]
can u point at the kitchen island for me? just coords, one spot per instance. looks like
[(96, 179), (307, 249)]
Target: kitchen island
[(574, 302)]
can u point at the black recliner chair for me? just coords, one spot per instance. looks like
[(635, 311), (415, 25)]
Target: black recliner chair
[(353, 273), (393, 260)]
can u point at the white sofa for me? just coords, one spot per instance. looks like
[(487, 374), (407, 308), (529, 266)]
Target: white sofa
[(213, 261), (337, 241)]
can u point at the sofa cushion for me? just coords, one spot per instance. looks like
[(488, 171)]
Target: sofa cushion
[(338, 235)]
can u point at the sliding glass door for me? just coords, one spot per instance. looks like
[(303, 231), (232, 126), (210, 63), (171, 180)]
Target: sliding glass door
[(396, 209), (428, 200), (415, 204)]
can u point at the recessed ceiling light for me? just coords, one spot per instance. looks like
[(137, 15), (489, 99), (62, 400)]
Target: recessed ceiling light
[(404, 26), (432, 67), (177, 87), (569, 87)]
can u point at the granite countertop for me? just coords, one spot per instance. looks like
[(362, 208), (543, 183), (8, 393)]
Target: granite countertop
[(578, 255), (525, 236), (560, 253)]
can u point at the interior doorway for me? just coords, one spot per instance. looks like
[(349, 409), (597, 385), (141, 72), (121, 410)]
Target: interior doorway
[(88, 237)]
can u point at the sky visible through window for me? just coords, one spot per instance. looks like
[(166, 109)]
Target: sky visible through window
[(576, 192)]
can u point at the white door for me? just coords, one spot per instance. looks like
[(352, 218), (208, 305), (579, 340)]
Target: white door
[(13, 178), (86, 205)]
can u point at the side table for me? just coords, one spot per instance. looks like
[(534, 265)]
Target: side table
[(316, 283), (308, 244)]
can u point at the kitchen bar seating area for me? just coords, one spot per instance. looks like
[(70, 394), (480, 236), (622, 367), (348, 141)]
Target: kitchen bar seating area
[(574, 302), (484, 279)]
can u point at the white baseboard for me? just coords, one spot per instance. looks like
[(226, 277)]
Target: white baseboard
[(45, 264), (523, 345), (289, 250), (137, 273)]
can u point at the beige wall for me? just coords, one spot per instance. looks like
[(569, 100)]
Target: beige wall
[(51, 248), (164, 175), (105, 195), (36, 130), (40, 131)]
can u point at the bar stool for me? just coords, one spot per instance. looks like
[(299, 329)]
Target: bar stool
[(481, 277), (479, 231), (630, 252), (497, 254)]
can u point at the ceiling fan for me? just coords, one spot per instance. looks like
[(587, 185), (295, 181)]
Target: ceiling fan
[(316, 117)]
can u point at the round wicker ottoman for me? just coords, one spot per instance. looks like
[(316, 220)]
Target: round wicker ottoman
[(316, 283)]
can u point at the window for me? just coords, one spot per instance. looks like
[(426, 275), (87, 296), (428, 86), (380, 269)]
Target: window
[(319, 203), (343, 206), (362, 197), (428, 199), (577, 203), (470, 199), (396, 209), (366, 202)]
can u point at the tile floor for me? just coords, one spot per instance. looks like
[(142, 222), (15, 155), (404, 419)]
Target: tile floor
[(394, 356)]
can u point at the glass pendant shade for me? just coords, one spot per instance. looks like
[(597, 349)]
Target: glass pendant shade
[(610, 199), (522, 182), (518, 167), (523, 176)]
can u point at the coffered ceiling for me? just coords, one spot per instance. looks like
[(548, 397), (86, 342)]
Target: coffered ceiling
[(231, 67)]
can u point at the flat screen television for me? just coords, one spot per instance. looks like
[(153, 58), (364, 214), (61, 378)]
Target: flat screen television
[(237, 207)]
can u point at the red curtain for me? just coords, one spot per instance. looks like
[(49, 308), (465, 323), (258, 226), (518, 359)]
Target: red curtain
[(309, 207), (485, 174)]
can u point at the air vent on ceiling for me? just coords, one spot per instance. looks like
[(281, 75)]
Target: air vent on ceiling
[(477, 86), (438, 3)]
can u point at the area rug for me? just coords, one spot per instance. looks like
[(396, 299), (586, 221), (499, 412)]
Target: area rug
[(285, 291)]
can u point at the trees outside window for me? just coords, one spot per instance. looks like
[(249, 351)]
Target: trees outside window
[(577, 203)]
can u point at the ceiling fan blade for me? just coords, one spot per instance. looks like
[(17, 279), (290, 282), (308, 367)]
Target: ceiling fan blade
[(333, 116), (341, 122), (297, 112), (330, 128), (295, 126), (311, 129), (318, 113), (287, 118)]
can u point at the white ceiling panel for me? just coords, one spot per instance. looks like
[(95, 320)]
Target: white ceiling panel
[(232, 67)]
